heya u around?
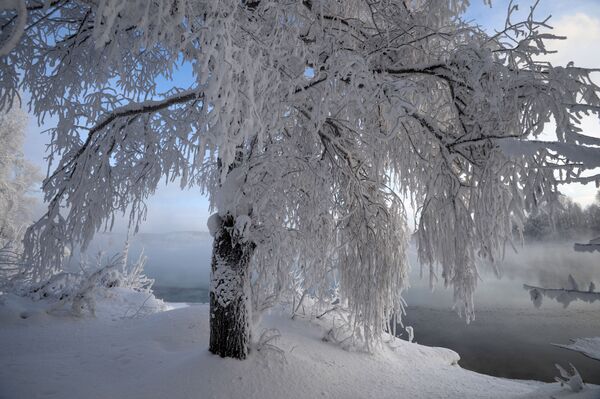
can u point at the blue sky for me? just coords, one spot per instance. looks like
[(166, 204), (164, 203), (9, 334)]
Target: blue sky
[(172, 209), (495, 16)]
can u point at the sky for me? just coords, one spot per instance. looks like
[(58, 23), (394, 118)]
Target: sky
[(173, 209), (579, 21)]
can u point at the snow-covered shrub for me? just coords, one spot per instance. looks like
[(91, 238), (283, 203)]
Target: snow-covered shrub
[(17, 179), (115, 273), (9, 264), (572, 380), (78, 290)]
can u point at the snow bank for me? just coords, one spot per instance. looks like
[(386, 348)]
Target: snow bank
[(588, 346), (164, 355), (110, 304)]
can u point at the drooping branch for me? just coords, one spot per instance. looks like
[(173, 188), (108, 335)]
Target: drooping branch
[(129, 110), (143, 108), (20, 8)]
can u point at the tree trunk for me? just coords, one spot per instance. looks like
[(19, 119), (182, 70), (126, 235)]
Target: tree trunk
[(230, 292)]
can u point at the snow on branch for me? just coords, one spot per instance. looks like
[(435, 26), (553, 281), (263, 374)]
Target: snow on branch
[(7, 44), (145, 108), (95, 157), (563, 295), (132, 110), (572, 155)]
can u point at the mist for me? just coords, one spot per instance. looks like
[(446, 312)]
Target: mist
[(178, 259), (509, 336), (182, 260), (549, 264)]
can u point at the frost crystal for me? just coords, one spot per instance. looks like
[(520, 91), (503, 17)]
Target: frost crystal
[(226, 284)]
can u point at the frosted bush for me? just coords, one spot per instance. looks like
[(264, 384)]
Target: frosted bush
[(571, 380), (78, 290)]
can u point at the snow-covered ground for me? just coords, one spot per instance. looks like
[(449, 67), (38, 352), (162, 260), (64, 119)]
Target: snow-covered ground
[(120, 354)]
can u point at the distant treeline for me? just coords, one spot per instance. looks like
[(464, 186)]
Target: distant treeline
[(564, 221)]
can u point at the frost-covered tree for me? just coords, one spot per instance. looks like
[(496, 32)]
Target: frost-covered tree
[(307, 123), (562, 219), (17, 177)]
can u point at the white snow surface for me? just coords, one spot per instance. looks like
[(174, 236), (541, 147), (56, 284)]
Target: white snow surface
[(164, 355), (588, 346)]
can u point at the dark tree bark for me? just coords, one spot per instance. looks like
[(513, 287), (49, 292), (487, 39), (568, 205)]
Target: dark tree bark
[(230, 293)]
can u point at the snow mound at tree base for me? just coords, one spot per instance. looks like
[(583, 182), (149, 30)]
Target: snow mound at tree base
[(164, 355)]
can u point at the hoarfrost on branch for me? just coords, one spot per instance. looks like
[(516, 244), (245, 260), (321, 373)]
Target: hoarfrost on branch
[(327, 113)]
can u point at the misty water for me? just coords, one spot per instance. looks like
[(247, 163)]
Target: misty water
[(508, 338)]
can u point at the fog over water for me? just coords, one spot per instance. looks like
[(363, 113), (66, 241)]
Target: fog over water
[(509, 336), (546, 264), (177, 259)]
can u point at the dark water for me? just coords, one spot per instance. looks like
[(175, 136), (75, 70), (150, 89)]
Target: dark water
[(181, 294), (510, 343)]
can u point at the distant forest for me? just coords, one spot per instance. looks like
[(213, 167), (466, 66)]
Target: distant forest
[(564, 220)]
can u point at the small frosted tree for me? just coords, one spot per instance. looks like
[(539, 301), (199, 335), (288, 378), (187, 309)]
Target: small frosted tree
[(17, 177), (306, 123)]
